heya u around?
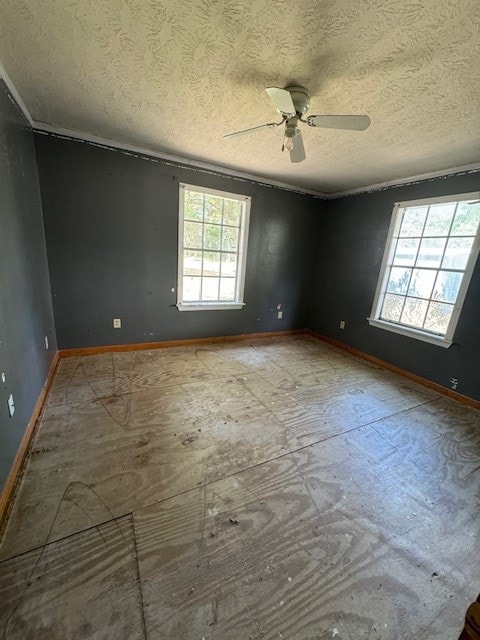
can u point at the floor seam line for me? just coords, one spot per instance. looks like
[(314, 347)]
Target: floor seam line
[(144, 624), (69, 535)]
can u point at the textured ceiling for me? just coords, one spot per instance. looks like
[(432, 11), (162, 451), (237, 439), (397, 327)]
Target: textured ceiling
[(176, 75)]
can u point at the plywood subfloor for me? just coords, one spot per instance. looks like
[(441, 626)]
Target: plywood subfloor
[(273, 488)]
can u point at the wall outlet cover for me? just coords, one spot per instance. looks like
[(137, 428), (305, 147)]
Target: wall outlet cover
[(117, 323), (11, 405)]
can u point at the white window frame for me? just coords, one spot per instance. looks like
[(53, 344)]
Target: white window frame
[(374, 319), (242, 251)]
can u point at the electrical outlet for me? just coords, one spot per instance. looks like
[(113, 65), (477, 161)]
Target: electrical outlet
[(454, 383), (342, 324), (280, 315), (11, 405), (46, 342), (4, 377), (117, 323)]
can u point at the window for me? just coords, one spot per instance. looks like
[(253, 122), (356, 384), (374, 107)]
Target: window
[(431, 251), (212, 249)]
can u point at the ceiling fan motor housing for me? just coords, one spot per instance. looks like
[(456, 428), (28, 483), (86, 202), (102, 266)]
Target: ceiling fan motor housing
[(300, 98)]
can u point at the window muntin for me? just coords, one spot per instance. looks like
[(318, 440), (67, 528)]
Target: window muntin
[(213, 229), (431, 251)]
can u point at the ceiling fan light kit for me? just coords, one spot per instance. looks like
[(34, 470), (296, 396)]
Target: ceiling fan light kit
[(290, 133), (292, 103)]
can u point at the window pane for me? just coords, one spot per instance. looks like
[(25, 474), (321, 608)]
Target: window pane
[(213, 209), (467, 219), (439, 219), (211, 263), (414, 312), (229, 264), (413, 221), (232, 210), (191, 289), (212, 236), (227, 289), (398, 280), (426, 265), (192, 235), (406, 252), (438, 317), (392, 307), (213, 227), (447, 286), (210, 288), (229, 239), (457, 253), (431, 251), (421, 284), (192, 263), (193, 207)]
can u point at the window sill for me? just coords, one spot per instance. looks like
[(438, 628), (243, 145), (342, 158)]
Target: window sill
[(410, 333), (209, 306)]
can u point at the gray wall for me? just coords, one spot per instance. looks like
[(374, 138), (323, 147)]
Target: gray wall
[(25, 301), (111, 221), (350, 242)]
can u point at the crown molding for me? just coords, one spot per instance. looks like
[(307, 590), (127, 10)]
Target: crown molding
[(16, 96), (107, 143), (380, 186)]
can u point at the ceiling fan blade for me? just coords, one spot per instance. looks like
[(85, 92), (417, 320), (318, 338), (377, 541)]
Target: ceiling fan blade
[(282, 100), (354, 123), (297, 154), (237, 134)]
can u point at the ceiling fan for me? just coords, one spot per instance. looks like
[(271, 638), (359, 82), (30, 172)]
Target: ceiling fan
[(293, 103)]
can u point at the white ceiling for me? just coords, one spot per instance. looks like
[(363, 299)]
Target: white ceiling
[(176, 75)]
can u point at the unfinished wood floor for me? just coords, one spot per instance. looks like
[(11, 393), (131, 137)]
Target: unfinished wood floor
[(274, 488)]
